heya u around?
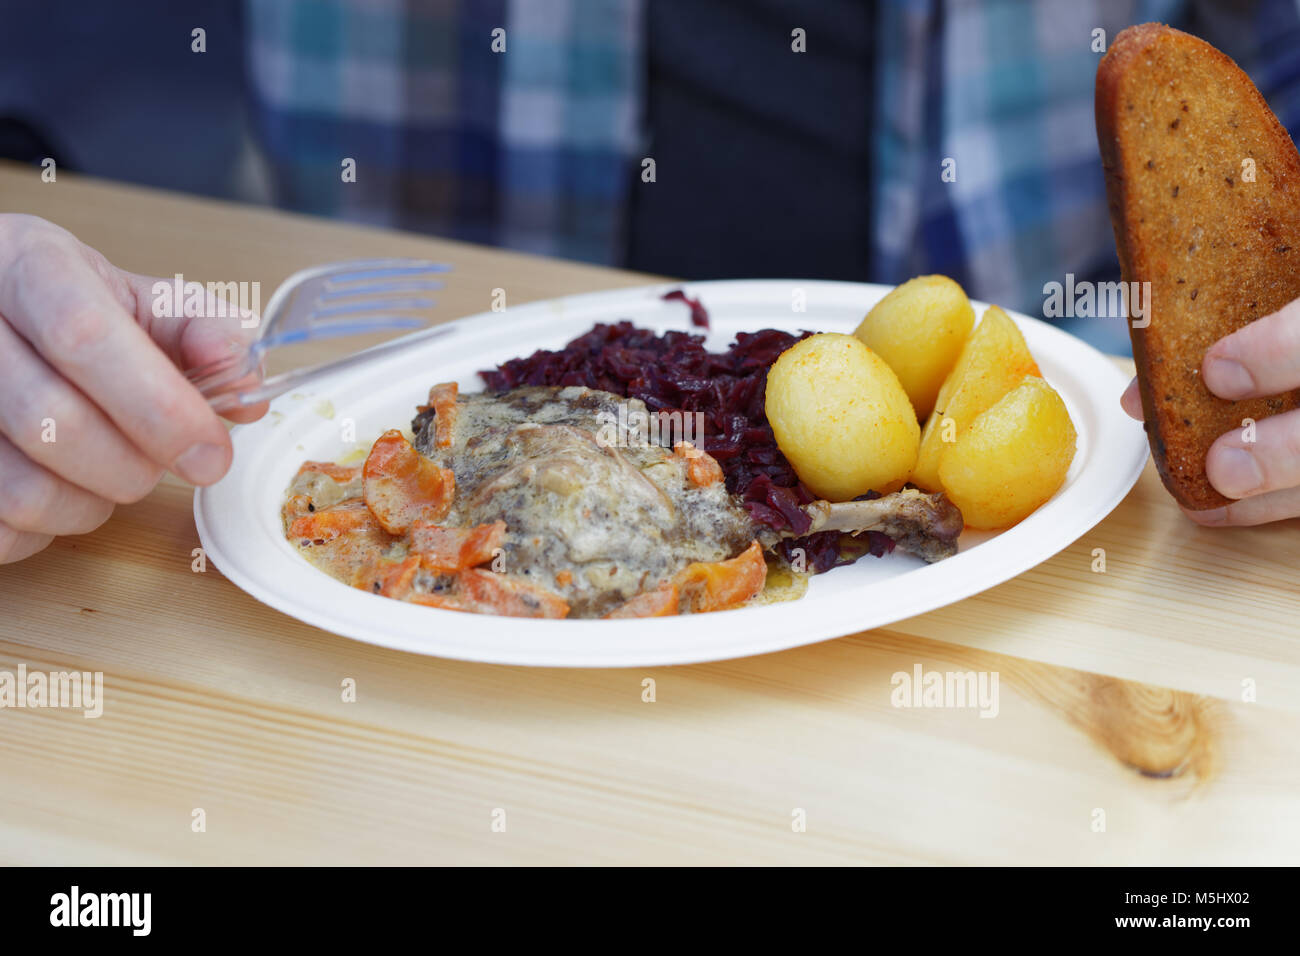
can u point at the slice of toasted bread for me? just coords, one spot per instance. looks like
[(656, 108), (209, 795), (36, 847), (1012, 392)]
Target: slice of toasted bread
[(1204, 190)]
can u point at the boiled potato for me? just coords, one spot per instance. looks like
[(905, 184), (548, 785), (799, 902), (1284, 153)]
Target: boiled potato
[(992, 362), (919, 329), (841, 417), (1011, 458)]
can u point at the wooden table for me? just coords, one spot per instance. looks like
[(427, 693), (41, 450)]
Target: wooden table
[(215, 702)]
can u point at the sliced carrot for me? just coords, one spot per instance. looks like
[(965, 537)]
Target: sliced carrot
[(661, 602), (485, 592), (402, 486), (492, 593), (328, 523), (390, 578), (701, 467), (442, 399), (449, 550), (718, 585), (448, 602), (340, 473)]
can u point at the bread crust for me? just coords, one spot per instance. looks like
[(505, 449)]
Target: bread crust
[(1176, 119)]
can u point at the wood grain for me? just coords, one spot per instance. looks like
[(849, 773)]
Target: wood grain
[(214, 701)]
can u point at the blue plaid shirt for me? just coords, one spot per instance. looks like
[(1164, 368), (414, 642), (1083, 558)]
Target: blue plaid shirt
[(526, 146), (538, 146)]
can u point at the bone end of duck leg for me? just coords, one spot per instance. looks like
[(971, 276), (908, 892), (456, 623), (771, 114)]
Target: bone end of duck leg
[(926, 525)]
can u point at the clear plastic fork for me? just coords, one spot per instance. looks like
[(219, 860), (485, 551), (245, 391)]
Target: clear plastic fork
[(339, 299)]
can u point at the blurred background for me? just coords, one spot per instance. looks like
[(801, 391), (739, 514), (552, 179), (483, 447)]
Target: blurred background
[(866, 140)]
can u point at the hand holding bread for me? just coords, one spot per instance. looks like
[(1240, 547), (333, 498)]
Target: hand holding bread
[(1203, 184), (1262, 477)]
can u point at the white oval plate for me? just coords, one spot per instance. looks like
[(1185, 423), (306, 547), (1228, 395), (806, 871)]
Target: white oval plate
[(239, 517)]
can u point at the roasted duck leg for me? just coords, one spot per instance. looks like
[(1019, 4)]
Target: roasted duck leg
[(926, 525)]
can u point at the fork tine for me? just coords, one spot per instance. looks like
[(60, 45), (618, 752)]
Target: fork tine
[(392, 268), (378, 288), (357, 308), (386, 261), (377, 322)]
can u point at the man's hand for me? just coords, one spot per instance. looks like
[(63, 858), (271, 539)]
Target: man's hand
[(1264, 475), (84, 361)]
